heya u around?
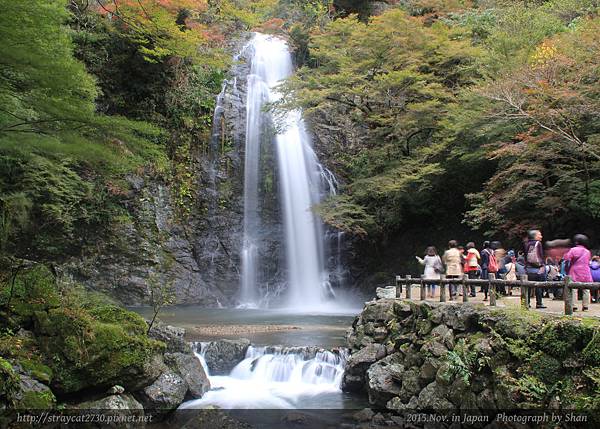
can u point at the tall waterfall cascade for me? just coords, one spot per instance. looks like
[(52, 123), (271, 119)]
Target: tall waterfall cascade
[(302, 183)]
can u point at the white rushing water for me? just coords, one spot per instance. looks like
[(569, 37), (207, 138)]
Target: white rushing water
[(303, 182), (271, 377)]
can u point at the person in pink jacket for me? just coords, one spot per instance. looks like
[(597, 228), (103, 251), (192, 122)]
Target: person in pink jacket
[(578, 258)]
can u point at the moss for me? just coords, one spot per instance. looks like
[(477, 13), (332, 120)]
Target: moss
[(37, 370), (545, 367), (34, 290), (516, 322), (591, 352), (519, 348), (563, 337), (9, 380), (98, 353), (33, 400), (131, 322), (425, 311)]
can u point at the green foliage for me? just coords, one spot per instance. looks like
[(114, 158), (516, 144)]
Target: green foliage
[(545, 367), (458, 111), (161, 295), (545, 168), (465, 360), (32, 290), (394, 79), (9, 381), (532, 390), (550, 357), (561, 338), (591, 352), (59, 157), (341, 213)]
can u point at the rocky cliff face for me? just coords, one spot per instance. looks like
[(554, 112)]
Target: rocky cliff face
[(198, 255), (148, 245), (452, 357)]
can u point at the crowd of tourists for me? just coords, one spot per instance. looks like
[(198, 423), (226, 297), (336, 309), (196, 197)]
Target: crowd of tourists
[(538, 262)]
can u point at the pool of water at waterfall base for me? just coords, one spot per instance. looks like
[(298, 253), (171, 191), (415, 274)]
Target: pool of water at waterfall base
[(299, 329), (260, 326)]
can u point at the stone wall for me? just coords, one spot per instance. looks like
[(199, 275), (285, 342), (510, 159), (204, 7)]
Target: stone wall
[(458, 357)]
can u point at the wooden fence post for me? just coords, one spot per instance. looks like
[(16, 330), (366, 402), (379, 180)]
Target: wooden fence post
[(524, 292), (423, 288), (398, 287), (492, 289), (568, 296), (442, 288), (408, 287), (465, 288)]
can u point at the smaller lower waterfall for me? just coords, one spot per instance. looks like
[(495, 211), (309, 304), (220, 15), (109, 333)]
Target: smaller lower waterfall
[(276, 377)]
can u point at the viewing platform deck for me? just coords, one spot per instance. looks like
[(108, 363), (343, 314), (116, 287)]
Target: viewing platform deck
[(517, 292)]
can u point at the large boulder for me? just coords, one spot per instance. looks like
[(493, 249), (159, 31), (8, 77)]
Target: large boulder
[(114, 402), (165, 394), (172, 336), (104, 346), (188, 367), (118, 405), (223, 355)]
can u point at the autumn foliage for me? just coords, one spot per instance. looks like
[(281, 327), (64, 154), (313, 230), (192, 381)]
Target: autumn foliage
[(161, 27)]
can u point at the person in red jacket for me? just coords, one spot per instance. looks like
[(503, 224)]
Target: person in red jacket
[(472, 268)]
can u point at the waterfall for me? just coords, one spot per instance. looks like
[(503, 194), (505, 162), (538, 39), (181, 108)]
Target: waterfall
[(276, 377), (199, 351), (302, 183)]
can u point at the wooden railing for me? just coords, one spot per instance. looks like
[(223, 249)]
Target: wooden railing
[(525, 286)]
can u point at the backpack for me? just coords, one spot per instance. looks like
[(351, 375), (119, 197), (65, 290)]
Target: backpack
[(471, 259), (492, 263), (533, 259)]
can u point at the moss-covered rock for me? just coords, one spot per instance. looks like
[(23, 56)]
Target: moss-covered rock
[(9, 382), (591, 352), (99, 347), (130, 321), (37, 370), (31, 394), (563, 337)]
